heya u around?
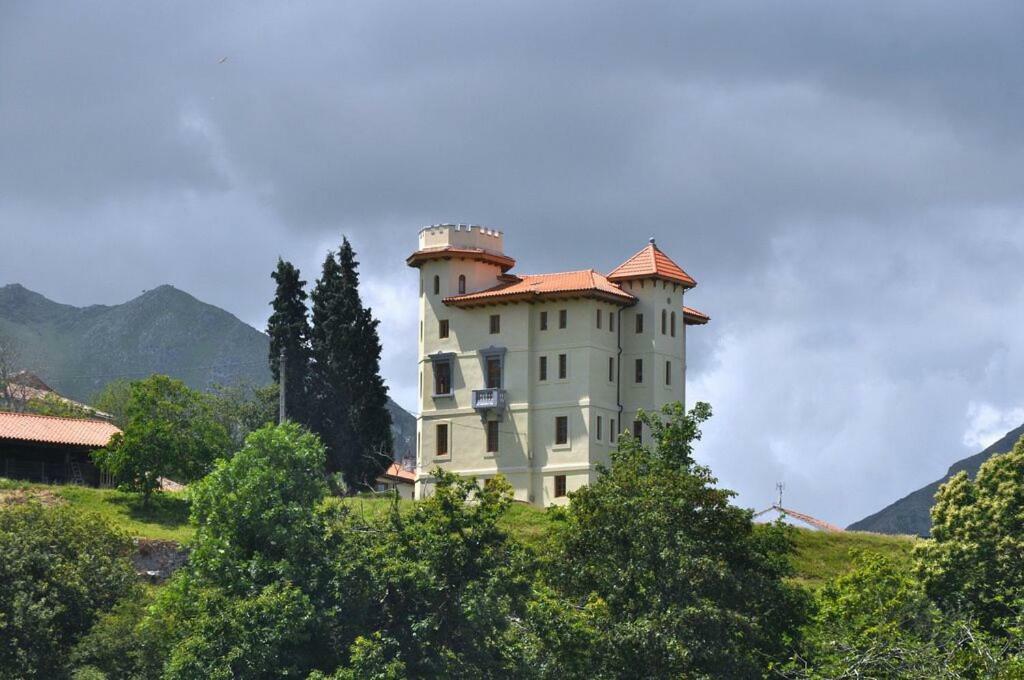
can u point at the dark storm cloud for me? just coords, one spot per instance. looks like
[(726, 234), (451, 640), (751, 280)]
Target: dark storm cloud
[(844, 180)]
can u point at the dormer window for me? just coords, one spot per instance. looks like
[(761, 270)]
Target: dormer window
[(462, 284)]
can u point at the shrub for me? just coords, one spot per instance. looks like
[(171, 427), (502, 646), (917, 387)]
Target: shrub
[(59, 570)]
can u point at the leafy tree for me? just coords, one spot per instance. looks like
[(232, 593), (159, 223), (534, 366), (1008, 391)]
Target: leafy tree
[(973, 561), (263, 636), (255, 513), (450, 586), (678, 581), (59, 569), (169, 431), (113, 399), (112, 647), (288, 328), (52, 405), (351, 400), (876, 621), (243, 409)]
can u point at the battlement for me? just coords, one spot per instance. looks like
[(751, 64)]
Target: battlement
[(462, 236)]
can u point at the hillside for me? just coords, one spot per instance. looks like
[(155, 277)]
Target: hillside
[(910, 514), (819, 555), (77, 350)]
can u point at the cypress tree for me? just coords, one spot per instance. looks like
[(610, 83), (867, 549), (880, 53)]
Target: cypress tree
[(288, 328), (352, 415)]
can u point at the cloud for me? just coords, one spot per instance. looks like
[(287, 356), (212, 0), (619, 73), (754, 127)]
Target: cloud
[(843, 180)]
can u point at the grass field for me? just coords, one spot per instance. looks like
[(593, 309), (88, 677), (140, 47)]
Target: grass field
[(819, 555), (166, 516)]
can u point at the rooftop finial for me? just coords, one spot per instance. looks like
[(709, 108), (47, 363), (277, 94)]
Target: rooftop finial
[(651, 240)]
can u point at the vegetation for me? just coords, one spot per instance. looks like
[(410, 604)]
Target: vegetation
[(348, 396), (169, 431), (974, 560), (289, 332), (164, 517), (672, 577), (650, 567), (59, 569)]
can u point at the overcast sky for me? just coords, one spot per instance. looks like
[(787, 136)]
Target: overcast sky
[(845, 182)]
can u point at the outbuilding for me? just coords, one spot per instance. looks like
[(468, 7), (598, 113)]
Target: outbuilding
[(52, 450)]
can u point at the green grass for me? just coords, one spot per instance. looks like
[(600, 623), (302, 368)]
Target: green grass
[(166, 516), (822, 555), (819, 555)]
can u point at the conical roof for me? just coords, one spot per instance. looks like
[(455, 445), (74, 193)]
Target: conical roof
[(651, 263)]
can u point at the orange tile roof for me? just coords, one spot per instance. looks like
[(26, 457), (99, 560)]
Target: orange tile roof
[(651, 263), (396, 471), (582, 283), (694, 317), (53, 430), (448, 252)]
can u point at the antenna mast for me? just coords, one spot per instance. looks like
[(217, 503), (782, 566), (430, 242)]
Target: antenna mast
[(280, 389)]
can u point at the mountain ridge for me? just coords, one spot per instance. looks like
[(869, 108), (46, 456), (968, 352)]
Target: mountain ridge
[(911, 514), (77, 350)]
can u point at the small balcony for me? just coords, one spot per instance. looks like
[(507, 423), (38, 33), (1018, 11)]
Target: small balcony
[(492, 398)]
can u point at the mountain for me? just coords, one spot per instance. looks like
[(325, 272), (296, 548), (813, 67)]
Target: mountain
[(910, 514), (78, 350)]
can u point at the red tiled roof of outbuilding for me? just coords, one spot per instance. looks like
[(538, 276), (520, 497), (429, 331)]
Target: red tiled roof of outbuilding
[(397, 472), (582, 283), (651, 263), (29, 427)]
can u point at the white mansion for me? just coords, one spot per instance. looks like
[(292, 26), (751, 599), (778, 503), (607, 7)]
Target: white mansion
[(534, 375)]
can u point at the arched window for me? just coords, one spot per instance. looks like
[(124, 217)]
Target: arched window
[(673, 324), (664, 322), (462, 283), (437, 284)]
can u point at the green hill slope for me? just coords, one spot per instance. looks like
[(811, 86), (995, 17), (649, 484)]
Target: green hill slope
[(910, 514), (819, 555), (77, 350)]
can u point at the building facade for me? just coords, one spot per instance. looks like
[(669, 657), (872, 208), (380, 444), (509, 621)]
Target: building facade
[(534, 376)]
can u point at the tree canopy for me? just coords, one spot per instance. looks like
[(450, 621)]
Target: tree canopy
[(169, 431), (351, 414)]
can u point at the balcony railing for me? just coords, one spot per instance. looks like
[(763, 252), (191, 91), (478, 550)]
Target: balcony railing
[(490, 398)]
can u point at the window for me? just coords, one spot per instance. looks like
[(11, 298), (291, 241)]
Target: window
[(668, 373), (559, 486), (492, 436), (563, 318), (598, 428), (442, 378), (442, 439), (599, 319), (639, 323), (495, 323), (611, 321), (563, 366), (638, 430), (639, 377), (611, 369), (462, 283), (543, 321), (673, 327), (542, 372), (421, 330), (611, 431), (493, 372), (442, 328), (562, 430), (664, 322), (437, 285)]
